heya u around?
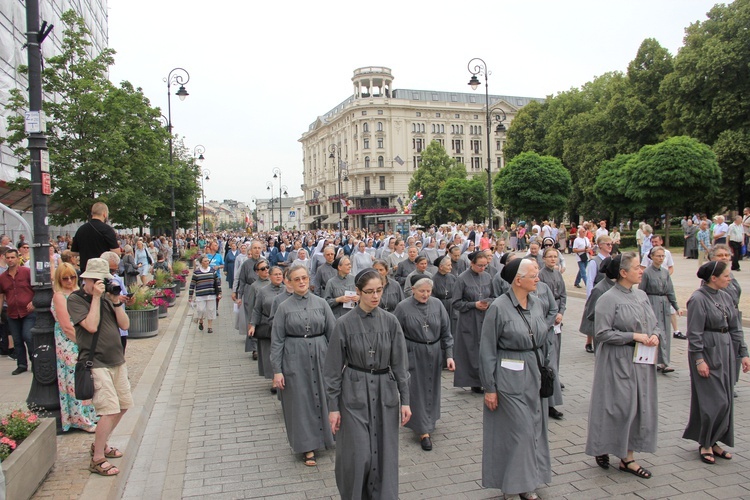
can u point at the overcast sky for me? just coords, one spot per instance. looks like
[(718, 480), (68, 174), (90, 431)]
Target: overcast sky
[(261, 72)]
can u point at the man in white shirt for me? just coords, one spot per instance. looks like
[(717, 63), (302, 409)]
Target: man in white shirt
[(581, 245), (546, 230), (736, 239), (746, 226), (604, 246), (602, 231), (720, 230)]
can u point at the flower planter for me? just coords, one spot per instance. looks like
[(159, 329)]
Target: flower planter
[(163, 311), (177, 287), (144, 323), (27, 467)]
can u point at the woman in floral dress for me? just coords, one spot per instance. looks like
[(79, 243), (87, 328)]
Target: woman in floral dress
[(74, 413)]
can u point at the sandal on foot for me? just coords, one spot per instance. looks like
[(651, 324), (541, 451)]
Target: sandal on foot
[(707, 458), (309, 459), (667, 369), (602, 461), (99, 468), (529, 495), (200, 325), (112, 453), (640, 471), (721, 454), (210, 330)]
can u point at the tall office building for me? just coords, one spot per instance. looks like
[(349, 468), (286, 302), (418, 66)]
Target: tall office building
[(367, 148)]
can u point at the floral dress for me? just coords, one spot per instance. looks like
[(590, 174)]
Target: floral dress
[(73, 412)]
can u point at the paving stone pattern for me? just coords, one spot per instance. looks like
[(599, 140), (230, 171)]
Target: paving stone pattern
[(216, 431)]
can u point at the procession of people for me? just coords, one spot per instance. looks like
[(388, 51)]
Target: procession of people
[(355, 355)]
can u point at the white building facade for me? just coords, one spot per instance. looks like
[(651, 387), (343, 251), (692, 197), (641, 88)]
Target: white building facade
[(375, 137)]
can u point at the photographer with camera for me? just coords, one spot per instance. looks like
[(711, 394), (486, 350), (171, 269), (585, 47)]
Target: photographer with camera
[(97, 312), (114, 264)]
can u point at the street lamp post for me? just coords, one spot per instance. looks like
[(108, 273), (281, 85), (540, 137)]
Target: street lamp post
[(476, 67), (340, 169), (269, 186), (204, 173), (277, 173), (177, 76), (198, 156)]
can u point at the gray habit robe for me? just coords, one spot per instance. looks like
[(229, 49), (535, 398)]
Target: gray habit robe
[(735, 291), (301, 361), (549, 307), (554, 280), (711, 403), (242, 282), (589, 309), (336, 287), (248, 299), (623, 412), (407, 283), (691, 242), (367, 441), (499, 285), (515, 453), (658, 286), (261, 319), (469, 288), (393, 294), (442, 289), (324, 273), (427, 331)]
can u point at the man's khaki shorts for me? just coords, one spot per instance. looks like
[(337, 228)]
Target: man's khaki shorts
[(111, 390)]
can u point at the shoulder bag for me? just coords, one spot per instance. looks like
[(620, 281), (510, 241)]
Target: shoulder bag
[(548, 374), (84, 379)]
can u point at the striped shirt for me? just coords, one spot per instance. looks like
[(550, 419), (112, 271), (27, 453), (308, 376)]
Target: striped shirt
[(204, 284)]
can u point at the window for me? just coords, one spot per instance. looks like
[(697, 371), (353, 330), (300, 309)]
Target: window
[(419, 113), (438, 128), (460, 129), (476, 117), (456, 116), (367, 162), (476, 146), (382, 182), (457, 145), (365, 127), (437, 115), (459, 159), (381, 162), (418, 144), (441, 142), (476, 162), (367, 185), (498, 145), (355, 129), (356, 145), (380, 143), (380, 111), (366, 143), (500, 162), (417, 162), (472, 99), (364, 113), (415, 96), (433, 128), (380, 127)]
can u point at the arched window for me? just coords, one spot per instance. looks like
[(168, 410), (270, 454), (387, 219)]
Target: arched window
[(381, 162), (365, 128), (367, 162), (380, 126)]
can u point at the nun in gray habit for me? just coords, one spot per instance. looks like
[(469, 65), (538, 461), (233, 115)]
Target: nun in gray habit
[(366, 379), (623, 412), (427, 330), (336, 288), (589, 309), (260, 323), (713, 331), (472, 295), (515, 452), (302, 325)]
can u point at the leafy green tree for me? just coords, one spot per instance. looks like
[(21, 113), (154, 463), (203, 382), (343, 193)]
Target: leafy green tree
[(678, 172), (612, 184), (706, 94), (533, 185), (436, 168), (526, 132), (106, 142), (465, 199)]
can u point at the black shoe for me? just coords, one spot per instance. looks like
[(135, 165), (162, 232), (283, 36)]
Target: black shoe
[(477, 390), (273, 390), (426, 443), (255, 355), (562, 386), (578, 286), (679, 335), (553, 413), (200, 325), (589, 348), (19, 370)]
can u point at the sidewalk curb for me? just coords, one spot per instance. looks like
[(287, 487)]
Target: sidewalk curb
[(129, 433)]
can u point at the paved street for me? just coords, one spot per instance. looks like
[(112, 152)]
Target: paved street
[(216, 431)]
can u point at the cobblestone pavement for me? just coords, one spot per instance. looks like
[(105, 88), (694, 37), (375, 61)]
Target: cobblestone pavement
[(216, 431)]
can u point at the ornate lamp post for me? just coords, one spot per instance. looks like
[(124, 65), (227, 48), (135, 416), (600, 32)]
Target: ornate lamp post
[(177, 76), (204, 174), (269, 187), (476, 67), (340, 170), (198, 156), (277, 174)]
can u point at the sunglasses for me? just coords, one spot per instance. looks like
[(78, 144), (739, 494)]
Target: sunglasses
[(262, 269), (68, 278)]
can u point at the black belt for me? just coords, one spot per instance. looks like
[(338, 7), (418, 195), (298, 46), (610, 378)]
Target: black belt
[(722, 330), (309, 336), (657, 294), (373, 371), (422, 341), (520, 350)]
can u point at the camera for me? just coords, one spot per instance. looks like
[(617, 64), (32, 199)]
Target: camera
[(111, 286)]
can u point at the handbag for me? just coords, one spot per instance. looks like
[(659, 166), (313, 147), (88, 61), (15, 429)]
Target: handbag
[(84, 378), (547, 387)]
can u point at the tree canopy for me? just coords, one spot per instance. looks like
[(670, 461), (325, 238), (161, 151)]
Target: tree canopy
[(465, 199), (436, 168), (533, 185)]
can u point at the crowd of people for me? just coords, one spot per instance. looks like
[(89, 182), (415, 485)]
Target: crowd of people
[(354, 329), (374, 319)]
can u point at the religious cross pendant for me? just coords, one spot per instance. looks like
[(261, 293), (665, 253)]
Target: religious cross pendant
[(426, 326), (307, 328), (372, 352)]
